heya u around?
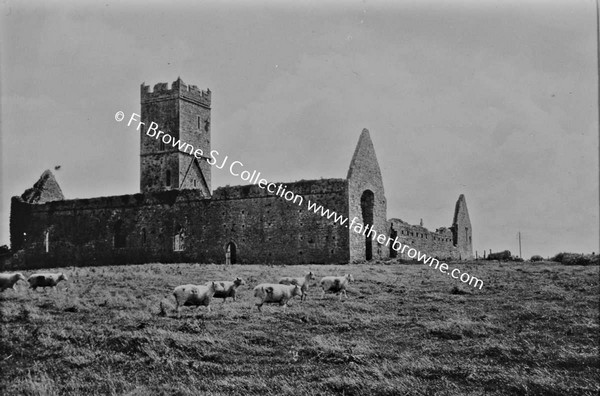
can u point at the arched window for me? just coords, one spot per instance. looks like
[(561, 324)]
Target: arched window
[(47, 241), (168, 178), (179, 240)]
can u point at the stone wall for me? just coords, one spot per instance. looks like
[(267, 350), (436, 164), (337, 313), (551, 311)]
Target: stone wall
[(269, 229), (141, 228), (437, 243), (453, 243)]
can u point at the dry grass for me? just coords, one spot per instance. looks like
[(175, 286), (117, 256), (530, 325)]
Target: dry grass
[(405, 329)]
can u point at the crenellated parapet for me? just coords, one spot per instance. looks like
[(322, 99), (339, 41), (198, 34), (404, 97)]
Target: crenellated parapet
[(178, 90)]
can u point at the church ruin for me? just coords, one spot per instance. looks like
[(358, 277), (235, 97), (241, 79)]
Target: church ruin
[(177, 217)]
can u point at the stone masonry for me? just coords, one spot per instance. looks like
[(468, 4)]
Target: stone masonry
[(452, 243), (178, 218)]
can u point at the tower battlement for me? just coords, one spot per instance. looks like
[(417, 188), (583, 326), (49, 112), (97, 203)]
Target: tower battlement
[(178, 89)]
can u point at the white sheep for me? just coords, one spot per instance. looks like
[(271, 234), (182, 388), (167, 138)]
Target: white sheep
[(275, 293), (303, 282), (229, 289), (335, 284), (198, 295), (9, 281), (45, 279)]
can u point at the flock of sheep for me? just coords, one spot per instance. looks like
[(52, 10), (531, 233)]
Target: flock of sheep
[(201, 295), (40, 279), (272, 293)]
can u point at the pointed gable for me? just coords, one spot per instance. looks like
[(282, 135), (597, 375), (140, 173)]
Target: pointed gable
[(46, 189), (460, 211), (461, 229), (366, 200), (364, 157)]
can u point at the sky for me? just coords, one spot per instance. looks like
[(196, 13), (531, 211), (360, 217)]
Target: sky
[(497, 100)]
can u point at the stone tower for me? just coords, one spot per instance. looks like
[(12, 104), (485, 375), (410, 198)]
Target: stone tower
[(461, 229), (183, 112)]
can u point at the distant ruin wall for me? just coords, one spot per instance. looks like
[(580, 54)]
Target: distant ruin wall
[(438, 244), (142, 228)]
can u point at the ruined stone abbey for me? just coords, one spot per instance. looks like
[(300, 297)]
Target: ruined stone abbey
[(177, 217)]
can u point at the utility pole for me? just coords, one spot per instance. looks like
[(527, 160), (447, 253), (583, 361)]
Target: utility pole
[(598, 54), (520, 255)]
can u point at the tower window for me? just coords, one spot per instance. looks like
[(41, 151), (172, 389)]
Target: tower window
[(194, 183), (199, 122), (168, 178), (206, 125)]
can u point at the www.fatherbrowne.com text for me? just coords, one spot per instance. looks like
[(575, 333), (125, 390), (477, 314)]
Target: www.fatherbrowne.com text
[(236, 168)]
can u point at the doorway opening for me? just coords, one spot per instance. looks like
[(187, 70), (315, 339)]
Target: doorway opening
[(367, 201), (230, 253)]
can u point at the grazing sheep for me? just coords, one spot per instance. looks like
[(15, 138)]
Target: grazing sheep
[(8, 281), (275, 293), (229, 289), (45, 279), (186, 295), (303, 282), (336, 284)]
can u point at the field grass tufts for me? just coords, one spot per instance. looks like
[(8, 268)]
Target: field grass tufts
[(404, 329)]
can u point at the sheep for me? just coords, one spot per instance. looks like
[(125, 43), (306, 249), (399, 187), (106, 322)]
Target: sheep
[(9, 281), (45, 279), (229, 289), (186, 295), (335, 284), (275, 293), (303, 282)]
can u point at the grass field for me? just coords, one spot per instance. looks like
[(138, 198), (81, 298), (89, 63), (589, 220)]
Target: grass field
[(405, 330)]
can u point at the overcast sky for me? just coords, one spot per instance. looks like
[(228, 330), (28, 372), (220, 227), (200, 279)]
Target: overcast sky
[(497, 100)]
